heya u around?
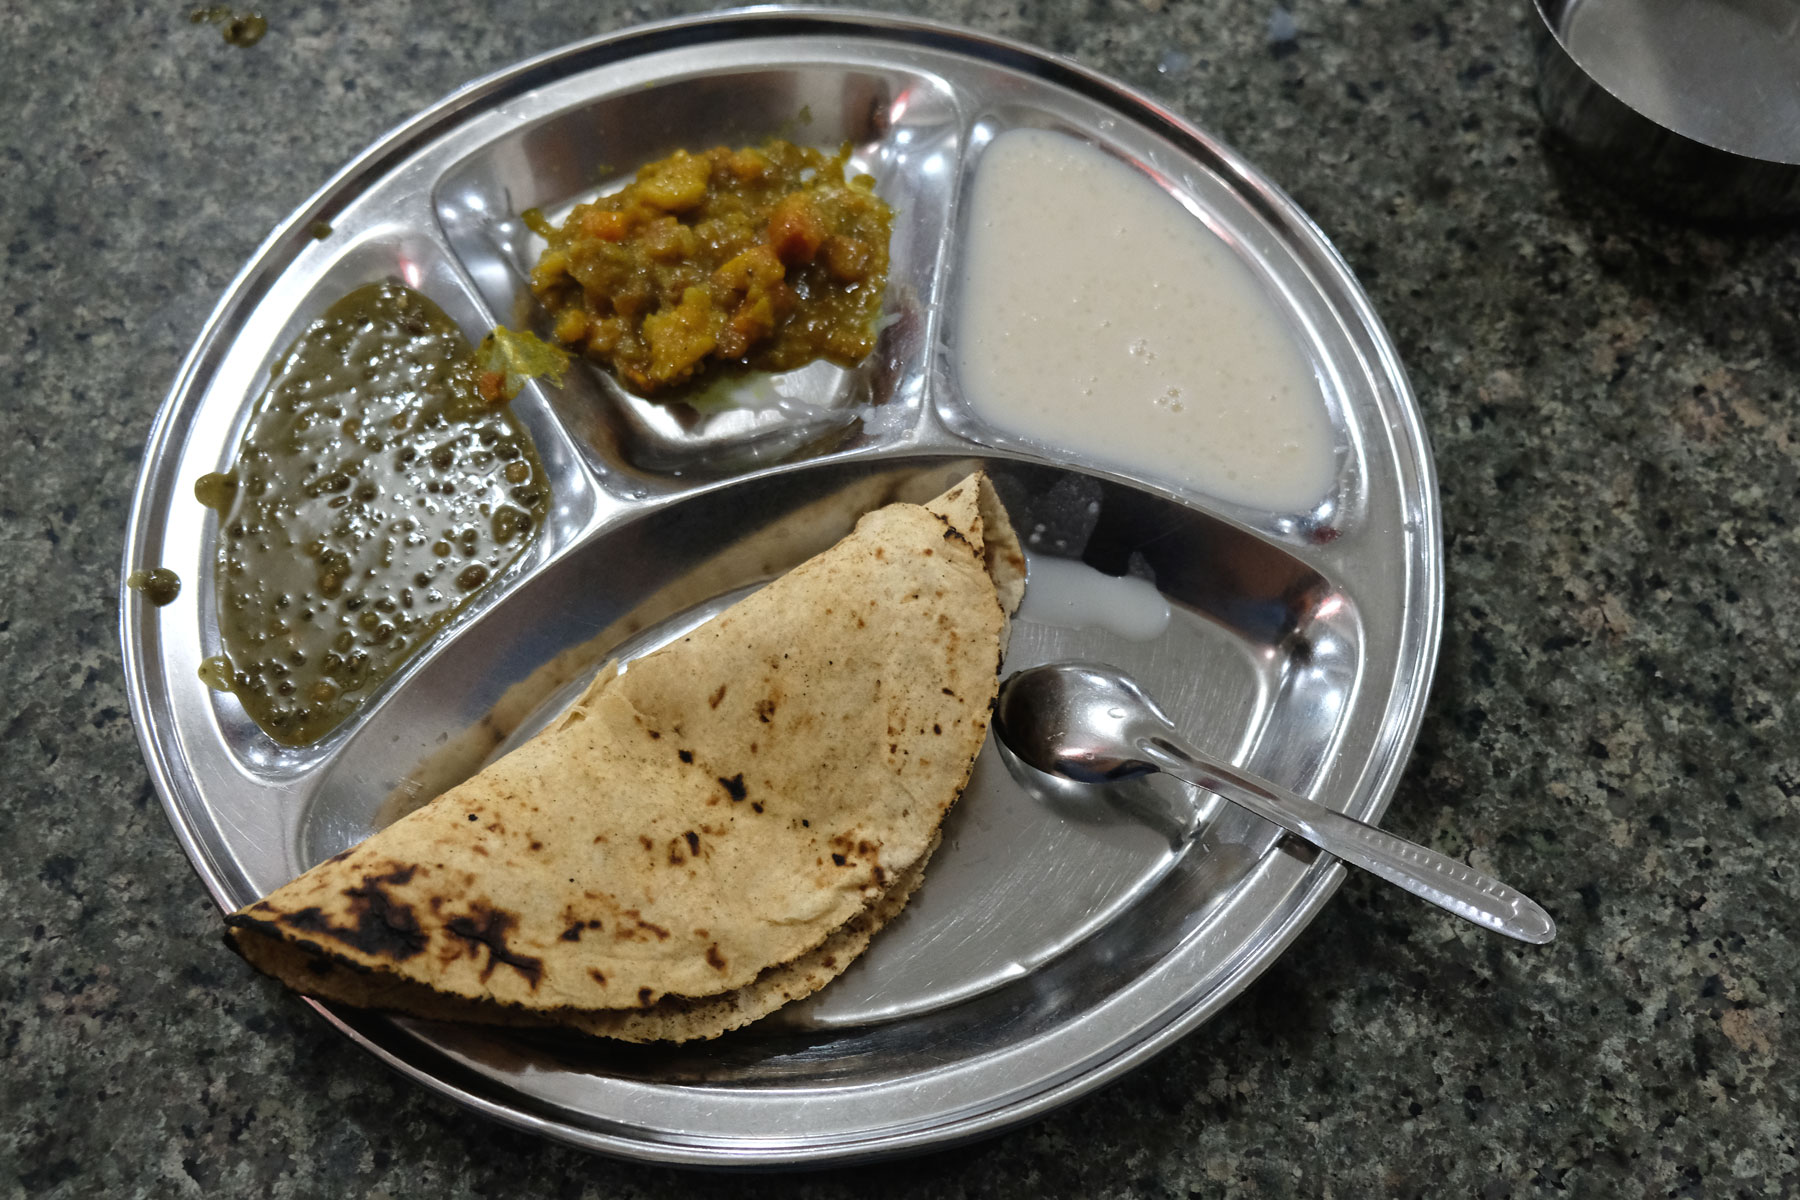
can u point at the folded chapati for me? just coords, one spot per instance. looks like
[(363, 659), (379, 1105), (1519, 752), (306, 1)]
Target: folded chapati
[(702, 837)]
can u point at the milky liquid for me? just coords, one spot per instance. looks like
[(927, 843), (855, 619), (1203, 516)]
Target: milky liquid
[(1098, 315), (1073, 595)]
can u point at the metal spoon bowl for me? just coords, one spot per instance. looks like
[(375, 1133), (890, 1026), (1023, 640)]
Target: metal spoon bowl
[(1091, 724)]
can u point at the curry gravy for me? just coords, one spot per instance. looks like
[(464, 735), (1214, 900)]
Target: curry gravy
[(374, 493)]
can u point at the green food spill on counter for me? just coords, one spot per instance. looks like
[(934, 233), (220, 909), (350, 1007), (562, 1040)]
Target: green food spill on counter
[(241, 31)]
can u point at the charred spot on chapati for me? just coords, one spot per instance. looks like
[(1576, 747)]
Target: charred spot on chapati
[(384, 927), (488, 927)]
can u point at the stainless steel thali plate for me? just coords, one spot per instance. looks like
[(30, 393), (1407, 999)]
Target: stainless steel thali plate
[(1051, 950)]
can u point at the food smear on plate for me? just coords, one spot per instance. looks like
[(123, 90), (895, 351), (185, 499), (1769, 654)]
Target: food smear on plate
[(158, 585), (1069, 594), (1099, 316), (509, 359), (702, 837), (380, 484), (765, 257)]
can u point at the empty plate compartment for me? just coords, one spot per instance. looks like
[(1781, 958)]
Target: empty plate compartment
[(1026, 900)]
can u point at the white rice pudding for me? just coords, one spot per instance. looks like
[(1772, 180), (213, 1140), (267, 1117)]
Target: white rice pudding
[(1099, 316)]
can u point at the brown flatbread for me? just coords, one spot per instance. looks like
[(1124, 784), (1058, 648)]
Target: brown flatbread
[(671, 1019), (702, 837)]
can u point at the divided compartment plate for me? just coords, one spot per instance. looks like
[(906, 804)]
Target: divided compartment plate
[(1054, 944)]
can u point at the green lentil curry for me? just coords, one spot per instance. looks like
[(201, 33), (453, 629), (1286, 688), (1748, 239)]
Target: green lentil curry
[(381, 482), (764, 257)]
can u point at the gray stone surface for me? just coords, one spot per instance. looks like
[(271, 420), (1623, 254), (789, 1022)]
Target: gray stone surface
[(1612, 399)]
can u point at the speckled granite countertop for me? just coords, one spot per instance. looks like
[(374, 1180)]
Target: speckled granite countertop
[(1612, 399)]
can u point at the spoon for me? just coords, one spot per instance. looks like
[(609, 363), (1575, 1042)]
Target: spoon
[(1092, 724)]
